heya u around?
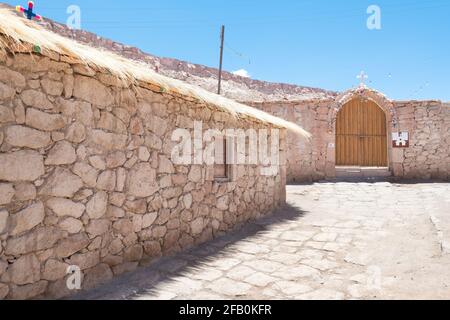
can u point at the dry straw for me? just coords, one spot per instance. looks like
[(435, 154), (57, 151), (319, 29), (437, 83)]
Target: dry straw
[(18, 31)]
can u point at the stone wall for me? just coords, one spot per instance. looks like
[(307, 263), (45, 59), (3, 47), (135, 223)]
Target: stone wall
[(429, 154), (86, 176), (428, 123), (306, 159)]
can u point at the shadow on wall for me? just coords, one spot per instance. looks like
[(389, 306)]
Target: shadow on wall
[(144, 280)]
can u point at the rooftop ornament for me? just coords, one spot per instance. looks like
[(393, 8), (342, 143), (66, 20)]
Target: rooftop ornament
[(362, 77), (28, 13)]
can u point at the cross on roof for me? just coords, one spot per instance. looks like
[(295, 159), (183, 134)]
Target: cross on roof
[(362, 77), (29, 14)]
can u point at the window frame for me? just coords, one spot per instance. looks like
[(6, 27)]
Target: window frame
[(227, 151)]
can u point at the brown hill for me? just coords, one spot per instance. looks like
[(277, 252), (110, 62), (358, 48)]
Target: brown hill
[(233, 86)]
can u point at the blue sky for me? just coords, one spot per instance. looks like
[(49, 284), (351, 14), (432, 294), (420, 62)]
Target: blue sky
[(318, 43)]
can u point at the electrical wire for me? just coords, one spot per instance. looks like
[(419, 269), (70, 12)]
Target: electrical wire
[(301, 15), (240, 55)]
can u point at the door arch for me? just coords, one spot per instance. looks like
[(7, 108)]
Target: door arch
[(361, 135)]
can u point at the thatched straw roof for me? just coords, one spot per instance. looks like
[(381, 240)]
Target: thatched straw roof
[(18, 32)]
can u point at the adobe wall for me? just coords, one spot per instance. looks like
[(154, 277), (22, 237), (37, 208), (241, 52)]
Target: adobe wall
[(428, 124), (86, 177)]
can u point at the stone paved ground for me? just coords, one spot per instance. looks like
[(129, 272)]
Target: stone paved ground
[(333, 241)]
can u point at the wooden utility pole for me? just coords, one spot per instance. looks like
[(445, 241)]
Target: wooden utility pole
[(222, 38)]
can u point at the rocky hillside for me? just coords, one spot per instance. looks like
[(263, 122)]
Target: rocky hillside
[(235, 87)]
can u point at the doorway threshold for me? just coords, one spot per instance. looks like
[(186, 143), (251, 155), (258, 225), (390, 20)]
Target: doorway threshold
[(358, 171)]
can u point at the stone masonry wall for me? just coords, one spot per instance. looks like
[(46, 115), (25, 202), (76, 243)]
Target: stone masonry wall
[(428, 123), (305, 158), (86, 176)]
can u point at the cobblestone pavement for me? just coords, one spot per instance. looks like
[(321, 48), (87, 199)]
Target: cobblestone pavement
[(332, 241)]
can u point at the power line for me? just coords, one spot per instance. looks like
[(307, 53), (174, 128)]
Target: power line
[(269, 20), (239, 54), (419, 90)]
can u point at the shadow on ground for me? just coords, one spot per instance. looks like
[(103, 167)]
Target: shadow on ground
[(143, 280), (393, 180)]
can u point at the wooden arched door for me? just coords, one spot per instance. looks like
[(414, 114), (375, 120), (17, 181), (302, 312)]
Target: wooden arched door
[(361, 135)]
